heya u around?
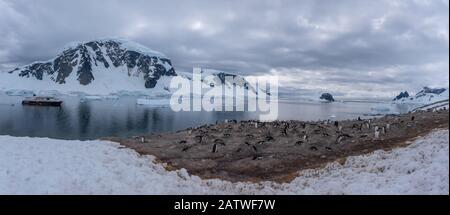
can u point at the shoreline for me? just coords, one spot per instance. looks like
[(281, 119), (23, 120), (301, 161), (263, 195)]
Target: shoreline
[(277, 151), (50, 166)]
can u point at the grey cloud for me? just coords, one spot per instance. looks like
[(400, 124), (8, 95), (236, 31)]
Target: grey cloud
[(343, 42)]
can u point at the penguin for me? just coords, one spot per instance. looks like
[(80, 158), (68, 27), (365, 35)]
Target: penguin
[(257, 157), (413, 118), (359, 118), (377, 133), (142, 139), (199, 138), (214, 149), (299, 143), (219, 141), (186, 148), (388, 126), (336, 124), (254, 149)]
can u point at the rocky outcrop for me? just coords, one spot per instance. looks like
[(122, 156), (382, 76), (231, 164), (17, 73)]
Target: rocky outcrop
[(327, 96), (84, 60), (401, 96)]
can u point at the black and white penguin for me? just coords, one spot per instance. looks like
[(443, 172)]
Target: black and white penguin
[(215, 148), (377, 133)]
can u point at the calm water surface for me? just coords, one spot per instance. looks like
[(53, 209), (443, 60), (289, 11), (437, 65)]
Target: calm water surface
[(123, 117)]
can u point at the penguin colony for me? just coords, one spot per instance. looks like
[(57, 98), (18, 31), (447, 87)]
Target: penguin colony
[(255, 150)]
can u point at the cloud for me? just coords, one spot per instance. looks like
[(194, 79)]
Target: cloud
[(350, 45)]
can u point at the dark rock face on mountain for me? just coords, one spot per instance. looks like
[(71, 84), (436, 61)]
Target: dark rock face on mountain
[(215, 77), (402, 95), (85, 59), (328, 97), (222, 76)]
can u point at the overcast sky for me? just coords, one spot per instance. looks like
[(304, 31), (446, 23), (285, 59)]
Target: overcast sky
[(351, 47)]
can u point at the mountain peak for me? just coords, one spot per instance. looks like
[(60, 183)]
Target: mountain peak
[(124, 43), (83, 61)]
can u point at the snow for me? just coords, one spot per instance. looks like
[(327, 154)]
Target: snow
[(424, 99), (48, 166), (133, 46), (93, 98), (380, 108), (154, 102), (111, 81), (19, 92), (384, 108), (129, 45)]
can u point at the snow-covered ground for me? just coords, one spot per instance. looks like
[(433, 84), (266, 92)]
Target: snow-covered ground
[(113, 81), (48, 166)]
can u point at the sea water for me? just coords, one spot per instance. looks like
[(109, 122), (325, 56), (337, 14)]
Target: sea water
[(84, 119)]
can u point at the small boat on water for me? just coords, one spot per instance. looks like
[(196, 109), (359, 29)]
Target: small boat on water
[(42, 101)]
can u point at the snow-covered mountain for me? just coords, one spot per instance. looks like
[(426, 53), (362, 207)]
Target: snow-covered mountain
[(213, 78), (427, 98), (86, 62), (107, 66)]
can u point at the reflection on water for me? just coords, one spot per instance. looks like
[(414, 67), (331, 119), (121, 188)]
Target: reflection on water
[(95, 119)]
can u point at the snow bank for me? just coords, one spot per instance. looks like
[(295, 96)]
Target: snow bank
[(47, 166), (113, 81), (154, 102)]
